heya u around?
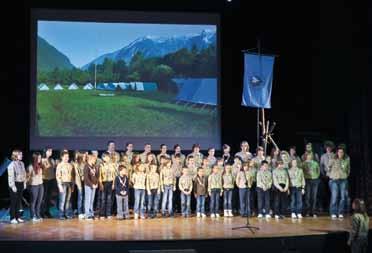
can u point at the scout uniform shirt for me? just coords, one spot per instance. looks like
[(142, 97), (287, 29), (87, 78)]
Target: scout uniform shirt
[(245, 156), (107, 172), (280, 177), (153, 182), (139, 180), (79, 174), (35, 178), (228, 181), (296, 178), (214, 182), (339, 168), (177, 169), (311, 169), (49, 168), (251, 176), (64, 173), (257, 161), (182, 158), (16, 173), (185, 183), (264, 179), (167, 177)]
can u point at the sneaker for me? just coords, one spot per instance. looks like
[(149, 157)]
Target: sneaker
[(340, 216), (225, 213), (230, 214), (143, 217), (217, 215), (333, 217), (35, 219), (294, 216), (299, 216), (213, 215), (268, 216), (20, 220), (315, 216), (203, 215), (276, 217), (198, 215), (260, 216), (136, 216), (102, 218), (109, 217), (14, 221), (81, 216)]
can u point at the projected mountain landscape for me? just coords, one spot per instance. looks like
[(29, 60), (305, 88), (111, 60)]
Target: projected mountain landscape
[(153, 85)]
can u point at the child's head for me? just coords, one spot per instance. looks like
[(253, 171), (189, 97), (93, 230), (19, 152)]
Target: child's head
[(125, 159), (141, 168), (196, 148), (64, 156), (200, 172), (177, 149), (185, 171), (150, 158), (92, 159), (245, 166), (244, 146), (292, 150), (147, 148), (177, 158), (279, 164), (237, 160), (48, 151), (215, 169), (251, 164), (211, 151), (94, 153), (359, 206), (163, 148), (167, 162), (228, 169), (129, 146), (264, 165), (220, 162), (205, 162), (153, 168), (122, 170), (294, 163), (226, 148), (309, 147), (17, 155), (340, 152), (106, 157), (260, 151), (309, 156), (190, 161), (268, 159)]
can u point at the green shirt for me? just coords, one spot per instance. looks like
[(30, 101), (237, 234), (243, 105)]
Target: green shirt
[(311, 169), (214, 181), (228, 181), (280, 176), (264, 179), (339, 168), (359, 227), (296, 178)]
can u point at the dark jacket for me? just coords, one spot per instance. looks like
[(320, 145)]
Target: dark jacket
[(200, 186), (90, 175), (121, 185)]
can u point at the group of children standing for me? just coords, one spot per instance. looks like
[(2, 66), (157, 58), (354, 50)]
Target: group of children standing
[(166, 183)]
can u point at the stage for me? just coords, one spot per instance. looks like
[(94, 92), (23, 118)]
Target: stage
[(214, 235)]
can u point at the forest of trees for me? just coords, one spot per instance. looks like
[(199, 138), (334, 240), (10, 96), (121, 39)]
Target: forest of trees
[(183, 63)]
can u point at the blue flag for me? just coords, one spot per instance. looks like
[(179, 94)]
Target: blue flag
[(258, 77)]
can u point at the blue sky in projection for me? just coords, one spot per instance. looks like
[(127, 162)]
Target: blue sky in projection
[(84, 41)]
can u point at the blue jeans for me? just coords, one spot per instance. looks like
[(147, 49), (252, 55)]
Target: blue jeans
[(122, 206), (227, 199), (338, 187), (244, 199), (263, 198), (167, 199), (89, 200), (215, 201), (153, 202), (80, 199), (185, 203), (200, 204), (296, 200), (37, 192), (311, 192), (65, 201), (139, 201)]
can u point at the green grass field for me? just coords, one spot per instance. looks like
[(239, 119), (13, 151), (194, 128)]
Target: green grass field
[(137, 114)]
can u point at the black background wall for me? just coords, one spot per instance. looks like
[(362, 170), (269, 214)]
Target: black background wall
[(320, 86)]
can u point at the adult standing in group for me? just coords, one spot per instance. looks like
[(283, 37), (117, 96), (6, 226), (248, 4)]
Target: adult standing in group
[(244, 153), (338, 171), (323, 193)]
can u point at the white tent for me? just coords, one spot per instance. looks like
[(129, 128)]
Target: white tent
[(58, 87), (43, 87), (88, 86), (73, 86), (139, 86)]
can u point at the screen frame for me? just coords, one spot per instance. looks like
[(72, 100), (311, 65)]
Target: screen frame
[(118, 16)]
